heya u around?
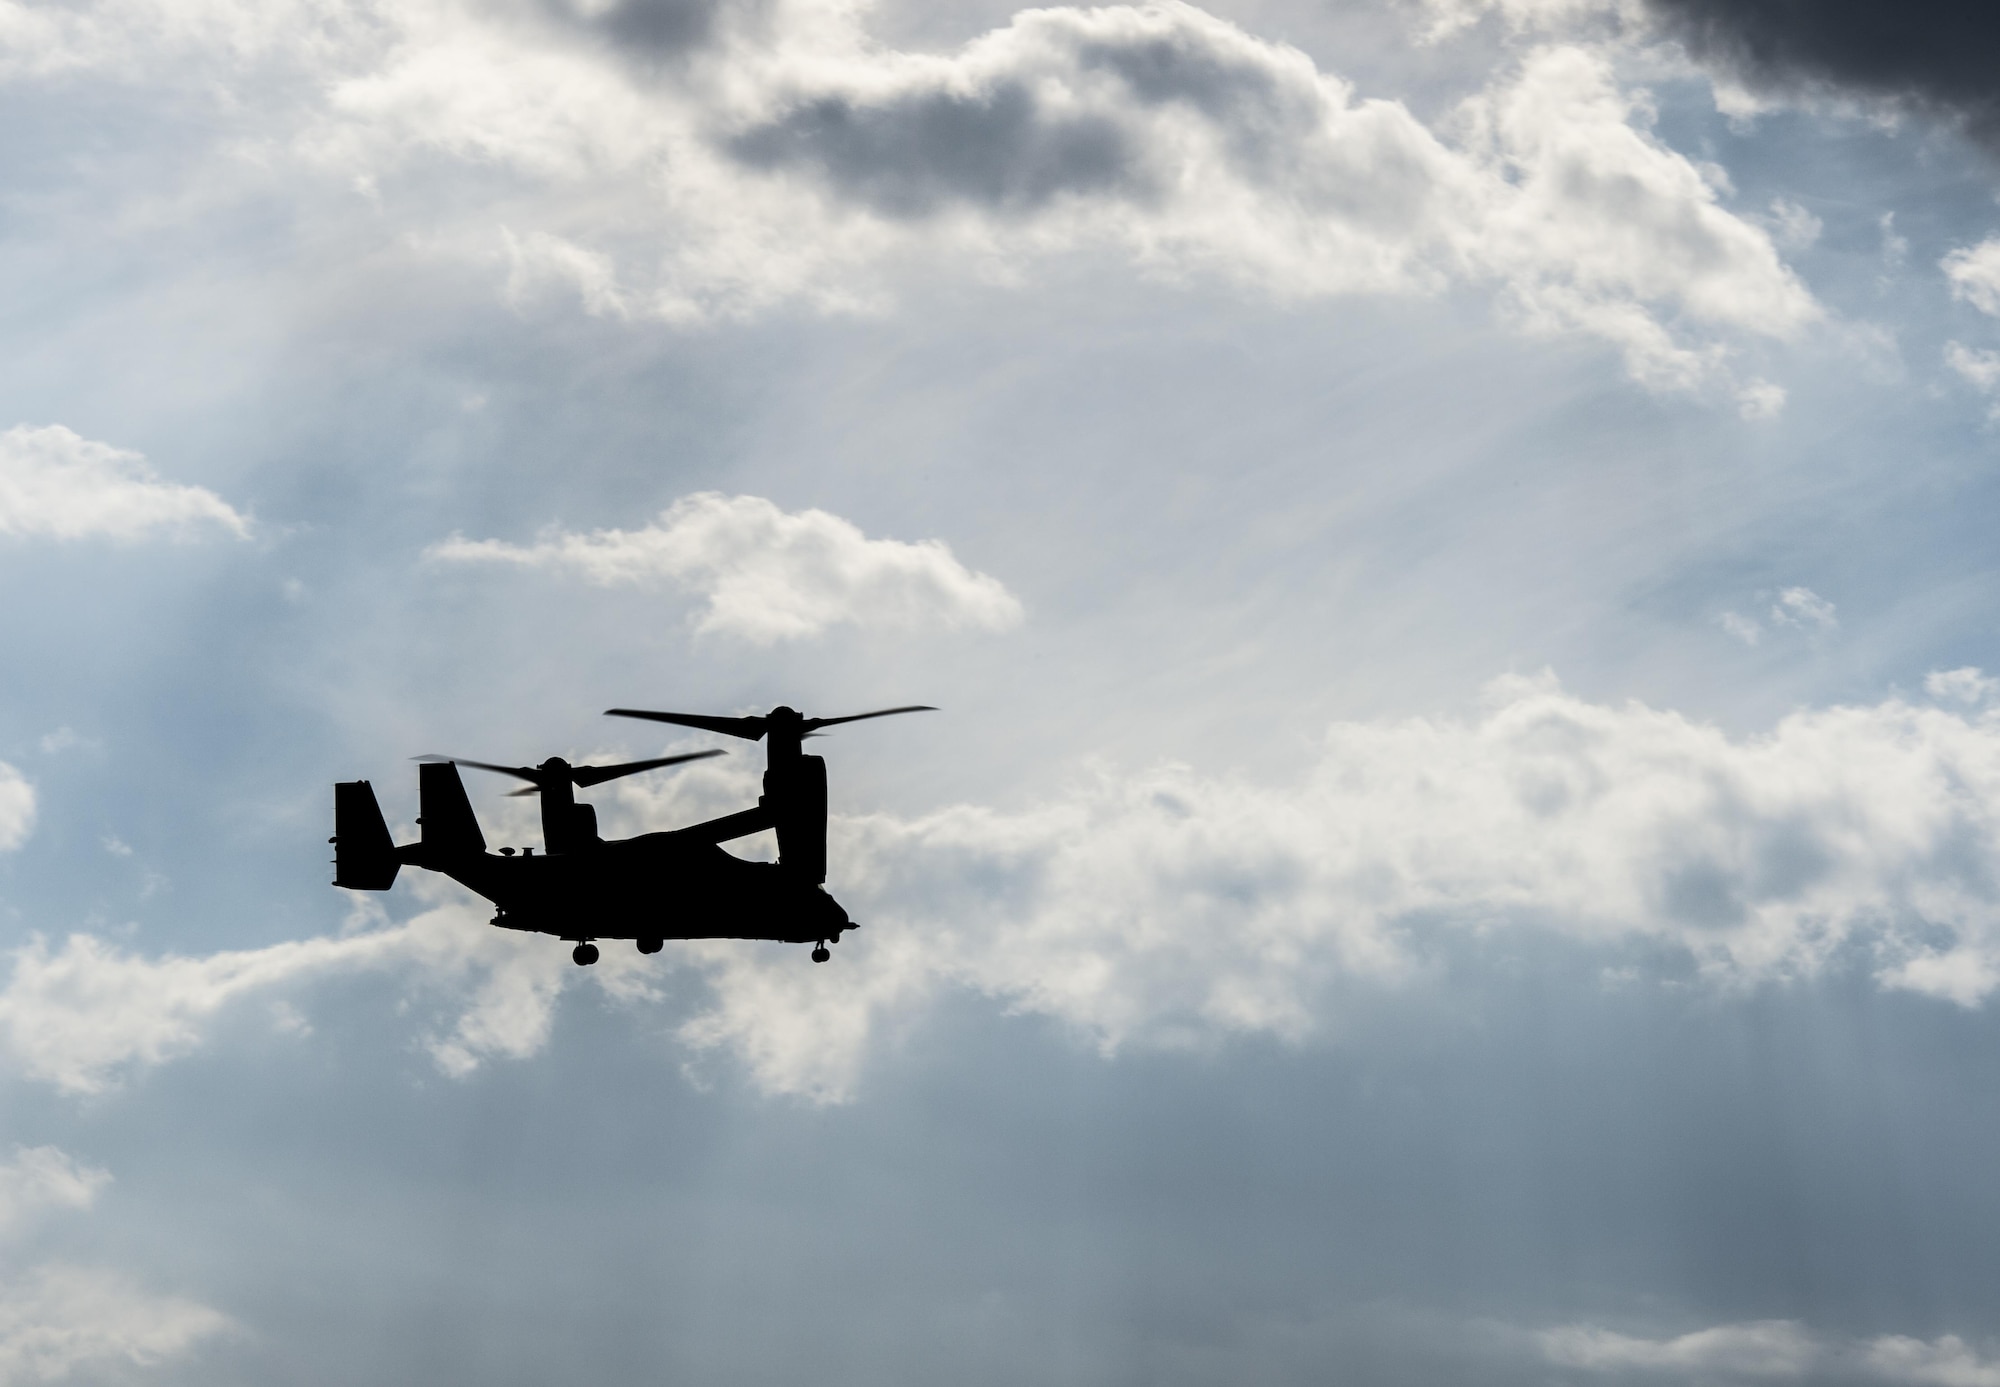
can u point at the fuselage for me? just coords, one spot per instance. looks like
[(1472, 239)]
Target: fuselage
[(654, 887)]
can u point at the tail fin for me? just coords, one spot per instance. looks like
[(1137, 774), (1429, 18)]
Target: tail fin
[(798, 794), (364, 856), (447, 819)]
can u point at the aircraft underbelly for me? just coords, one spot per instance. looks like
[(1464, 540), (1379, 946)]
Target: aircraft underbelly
[(714, 896)]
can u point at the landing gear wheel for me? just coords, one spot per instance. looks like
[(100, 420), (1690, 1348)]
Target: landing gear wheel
[(585, 955), (650, 946), (820, 955)]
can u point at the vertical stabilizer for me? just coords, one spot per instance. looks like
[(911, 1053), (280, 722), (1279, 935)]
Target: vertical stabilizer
[(447, 819), (364, 856)]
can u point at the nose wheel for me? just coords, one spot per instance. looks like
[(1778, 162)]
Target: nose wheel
[(820, 955), (585, 955)]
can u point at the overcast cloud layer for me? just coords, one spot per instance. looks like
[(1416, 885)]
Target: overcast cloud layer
[(1452, 543)]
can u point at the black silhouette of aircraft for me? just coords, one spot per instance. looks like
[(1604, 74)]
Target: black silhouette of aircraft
[(679, 884)]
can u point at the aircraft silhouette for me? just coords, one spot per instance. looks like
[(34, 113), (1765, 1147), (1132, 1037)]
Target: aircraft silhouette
[(678, 884)]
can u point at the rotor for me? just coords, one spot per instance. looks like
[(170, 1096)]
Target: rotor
[(780, 721), (556, 771)]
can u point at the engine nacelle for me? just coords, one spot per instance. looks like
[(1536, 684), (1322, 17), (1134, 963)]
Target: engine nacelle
[(796, 794)]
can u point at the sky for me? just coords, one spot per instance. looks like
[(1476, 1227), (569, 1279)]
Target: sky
[(1451, 541)]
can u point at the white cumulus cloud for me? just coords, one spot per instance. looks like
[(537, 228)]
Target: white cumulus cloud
[(55, 482), (1974, 272), (765, 574), (1169, 907), (801, 159)]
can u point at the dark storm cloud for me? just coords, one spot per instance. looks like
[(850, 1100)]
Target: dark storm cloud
[(916, 152), (1938, 55)]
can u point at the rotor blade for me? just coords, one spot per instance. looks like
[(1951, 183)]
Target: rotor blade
[(531, 790), (749, 728), (812, 723), (597, 775), (524, 772)]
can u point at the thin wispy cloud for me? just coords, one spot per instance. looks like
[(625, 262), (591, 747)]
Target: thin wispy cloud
[(1975, 365), (17, 808), (1798, 609), (57, 1320), (1768, 1350)]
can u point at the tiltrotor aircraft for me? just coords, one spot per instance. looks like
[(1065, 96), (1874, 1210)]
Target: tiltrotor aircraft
[(659, 886)]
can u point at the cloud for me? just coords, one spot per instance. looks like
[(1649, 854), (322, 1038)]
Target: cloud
[(1600, 227), (41, 1177), (1966, 685), (1976, 367), (1196, 144), (63, 739), (1760, 399), (1745, 628), (650, 29), (1171, 908), (84, 1015), (1765, 1348), (1165, 907), (56, 1319), (1974, 272), (17, 808), (1799, 608), (794, 157), (765, 574), (56, 483), (1769, 1349), (1802, 607), (1793, 226), (1944, 1362), (1935, 55)]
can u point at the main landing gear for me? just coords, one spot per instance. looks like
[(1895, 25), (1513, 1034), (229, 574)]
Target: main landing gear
[(651, 946), (820, 955), (585, 955)]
